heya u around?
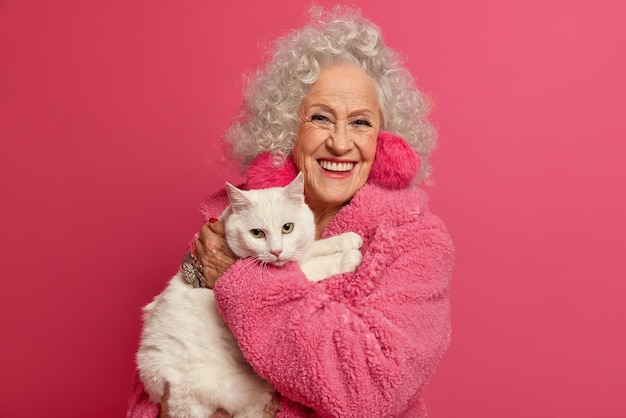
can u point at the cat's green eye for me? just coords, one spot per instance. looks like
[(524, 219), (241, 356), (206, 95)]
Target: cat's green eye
[(257, 233), (287, 228)]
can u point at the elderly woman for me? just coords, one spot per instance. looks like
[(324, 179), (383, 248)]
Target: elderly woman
[(336, 104)]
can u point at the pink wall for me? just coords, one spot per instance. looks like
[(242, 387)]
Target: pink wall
[(109, 116)]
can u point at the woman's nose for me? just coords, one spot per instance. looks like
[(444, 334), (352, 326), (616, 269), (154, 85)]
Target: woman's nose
[(339, 139)]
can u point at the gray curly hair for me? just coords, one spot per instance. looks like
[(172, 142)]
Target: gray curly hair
[(268, 117)]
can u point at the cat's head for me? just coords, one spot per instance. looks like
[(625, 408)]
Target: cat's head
[(271, 225)]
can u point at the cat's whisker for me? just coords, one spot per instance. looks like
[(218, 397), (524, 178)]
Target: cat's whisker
[(248, 264)]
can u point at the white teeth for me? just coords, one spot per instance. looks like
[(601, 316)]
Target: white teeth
[(333, 166)]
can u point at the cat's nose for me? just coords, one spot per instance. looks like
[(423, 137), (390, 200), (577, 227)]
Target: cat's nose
[(276, 253)]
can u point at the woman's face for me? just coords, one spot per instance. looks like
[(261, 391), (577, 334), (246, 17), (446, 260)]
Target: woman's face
[(339, 123)]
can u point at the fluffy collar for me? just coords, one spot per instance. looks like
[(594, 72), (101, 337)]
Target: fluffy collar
[(395, 166)]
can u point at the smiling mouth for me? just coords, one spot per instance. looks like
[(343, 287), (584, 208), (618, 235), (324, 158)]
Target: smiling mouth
[(341, 167)]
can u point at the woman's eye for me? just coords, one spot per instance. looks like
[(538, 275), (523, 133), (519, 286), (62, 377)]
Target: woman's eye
[(287, 228), (362, 122), (320, 118), (257, 233)]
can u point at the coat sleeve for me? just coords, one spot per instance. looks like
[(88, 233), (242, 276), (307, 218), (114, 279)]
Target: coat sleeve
[(139, 404), (361, 344)]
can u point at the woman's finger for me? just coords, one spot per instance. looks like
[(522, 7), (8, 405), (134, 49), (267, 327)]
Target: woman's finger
[(216, 226), (166, 394), (212, 251)]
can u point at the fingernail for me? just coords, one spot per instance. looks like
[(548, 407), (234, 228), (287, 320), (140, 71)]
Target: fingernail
[(213, 220)]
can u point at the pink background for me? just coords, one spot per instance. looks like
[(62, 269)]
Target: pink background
[(110, 112)]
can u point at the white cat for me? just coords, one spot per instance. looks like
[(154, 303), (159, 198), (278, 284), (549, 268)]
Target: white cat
[(184, 340)]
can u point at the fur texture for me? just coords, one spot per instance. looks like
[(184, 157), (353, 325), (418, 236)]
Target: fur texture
[(396, 164), (360, 344), (186, 343)]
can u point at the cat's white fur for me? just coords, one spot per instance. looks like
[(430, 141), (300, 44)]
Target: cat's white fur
[(184, 340)]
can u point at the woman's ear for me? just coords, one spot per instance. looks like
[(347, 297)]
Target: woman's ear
[(396, 164)]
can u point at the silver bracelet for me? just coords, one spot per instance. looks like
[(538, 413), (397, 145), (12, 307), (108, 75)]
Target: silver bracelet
[(192, 271)]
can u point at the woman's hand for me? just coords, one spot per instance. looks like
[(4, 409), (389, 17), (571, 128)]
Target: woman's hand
[(166, 394), (212, 252)]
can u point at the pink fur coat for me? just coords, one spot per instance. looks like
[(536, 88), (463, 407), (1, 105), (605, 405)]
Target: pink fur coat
[(360, 344)]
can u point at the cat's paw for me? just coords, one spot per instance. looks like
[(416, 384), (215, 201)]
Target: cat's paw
[(352, 259), (351, 241)]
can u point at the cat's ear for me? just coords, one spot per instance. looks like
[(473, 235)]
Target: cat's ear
[(295, 190), (237, 198)]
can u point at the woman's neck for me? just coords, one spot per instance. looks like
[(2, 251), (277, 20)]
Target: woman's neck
[(323, 217)]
